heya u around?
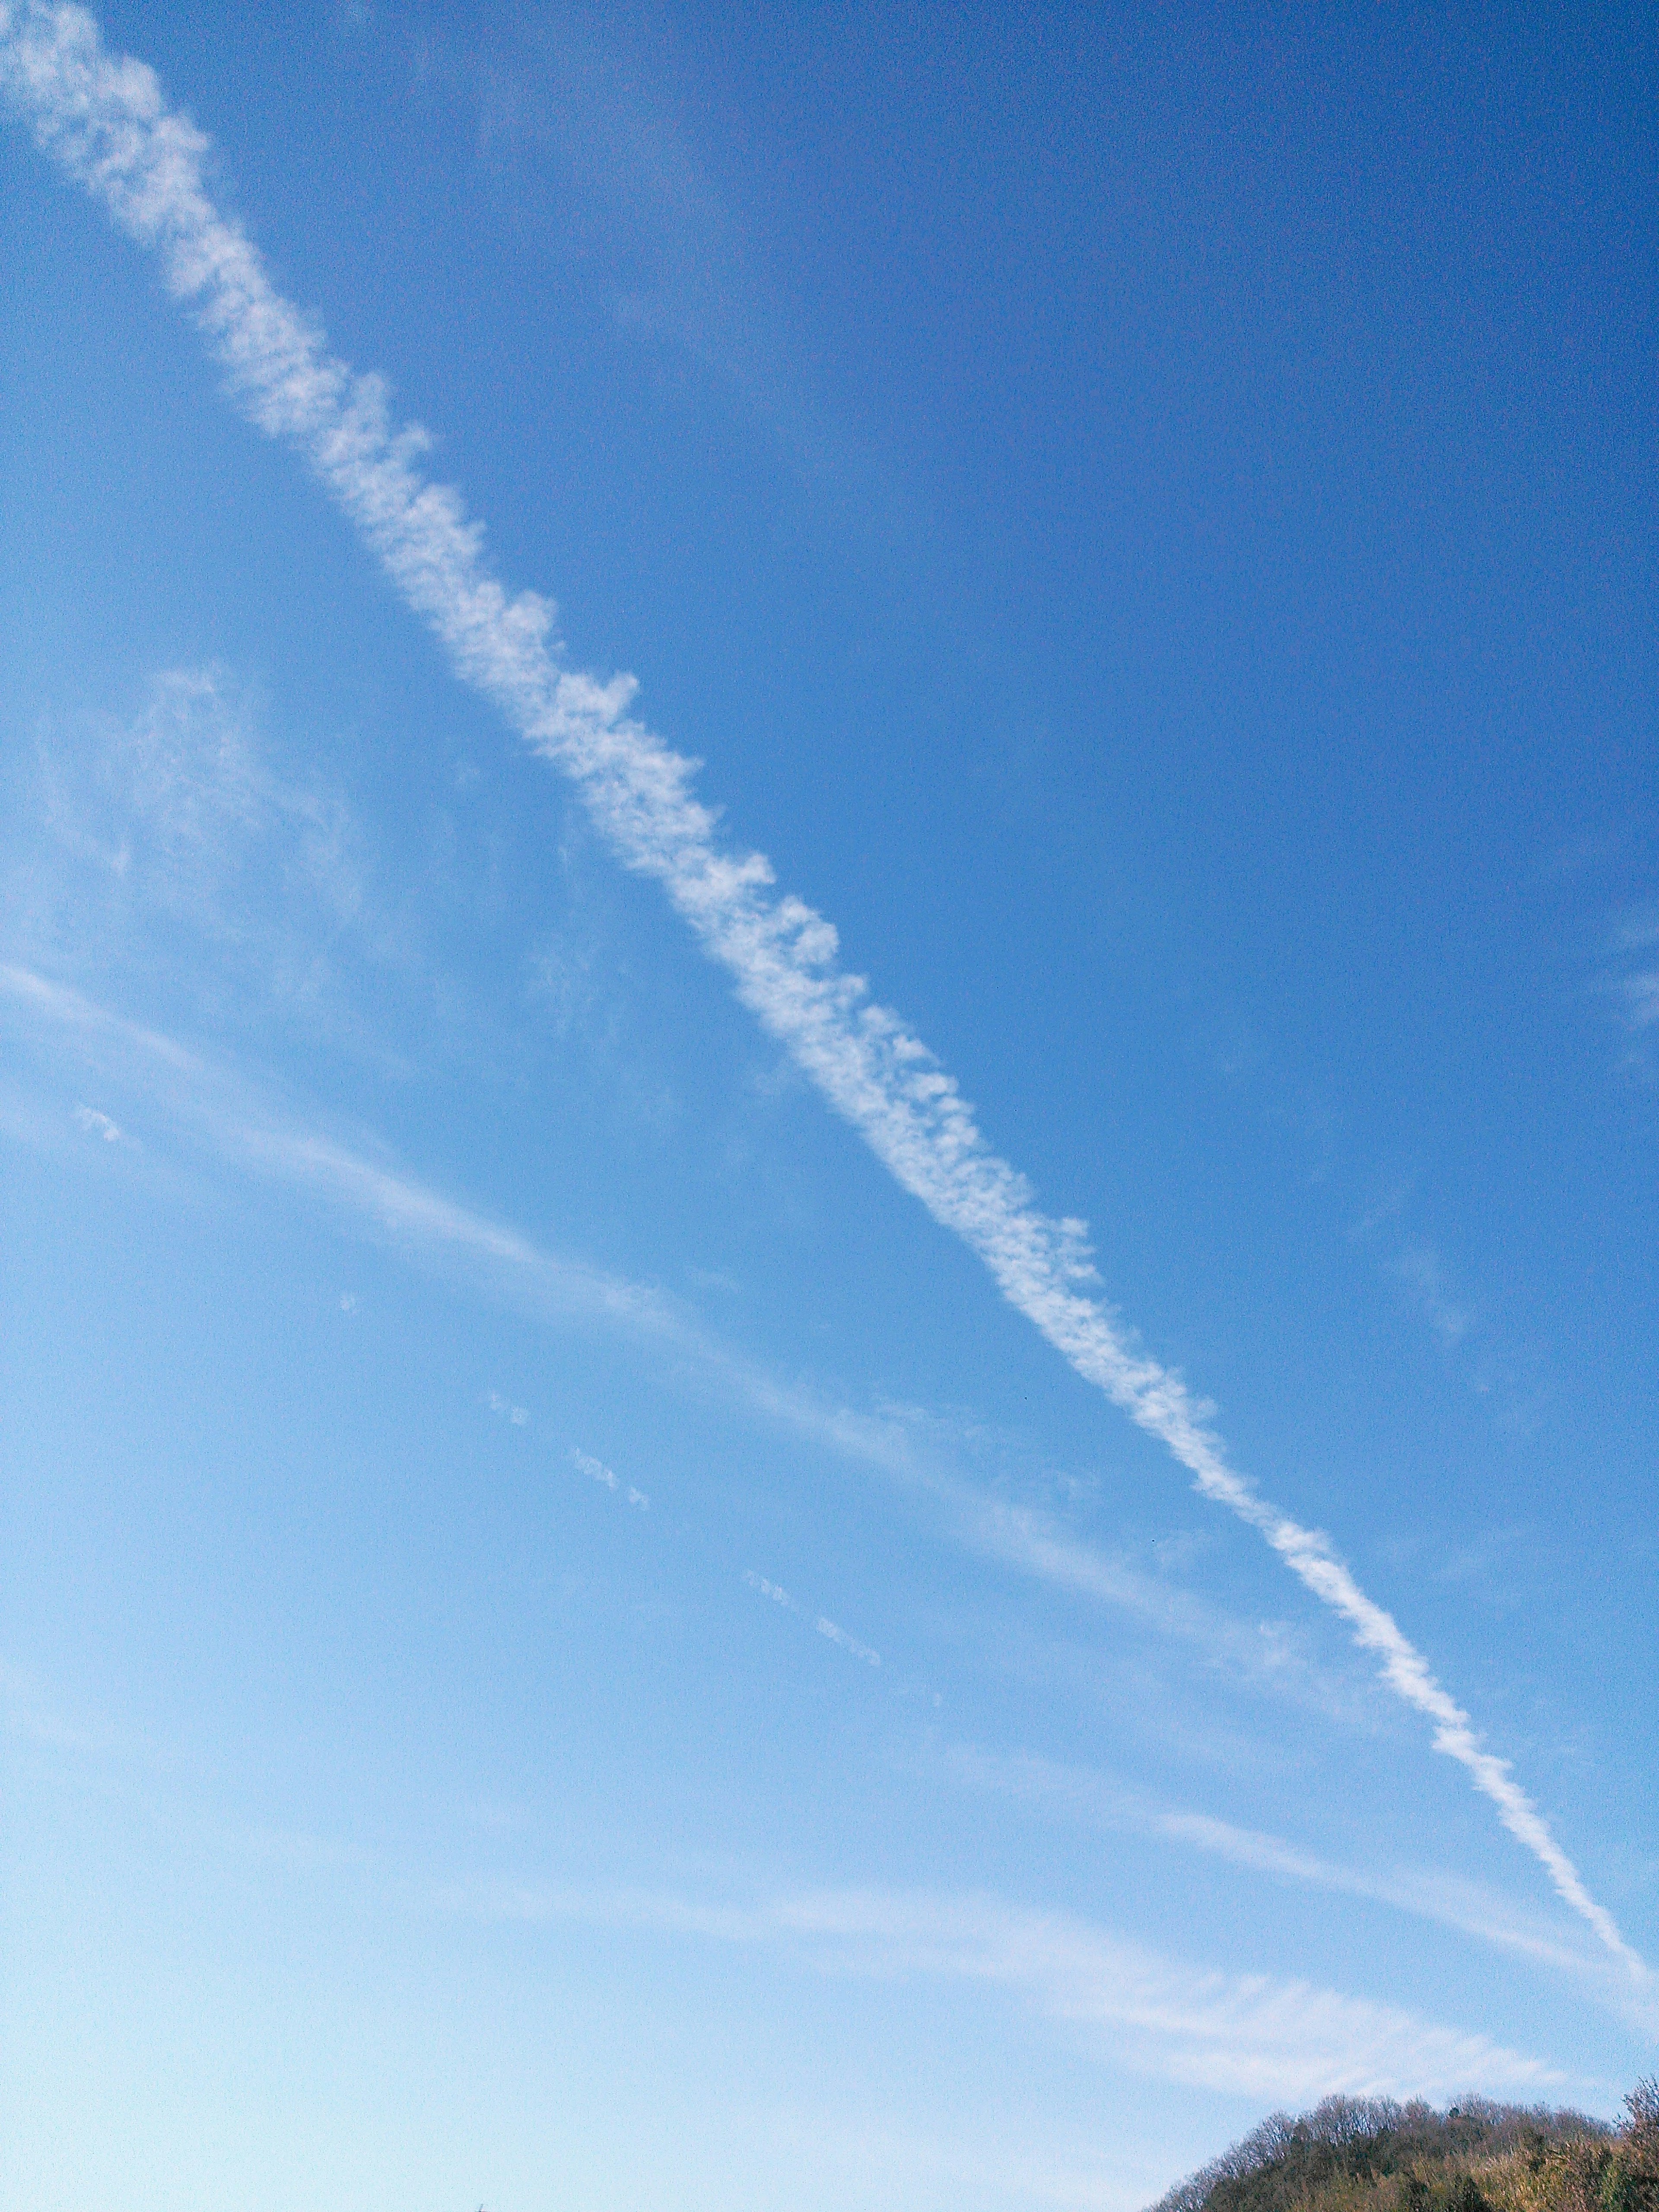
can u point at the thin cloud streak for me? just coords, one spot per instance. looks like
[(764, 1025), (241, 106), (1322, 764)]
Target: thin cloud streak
[(837, 1634), (100, 1125), (830, 1630), (240, 1125), (227, 1112), (597, 1471), (1426, 1893), (773, 1590), (1247, 2035), (107, 123)]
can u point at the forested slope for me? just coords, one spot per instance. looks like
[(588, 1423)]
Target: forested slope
[(1370, 2154)]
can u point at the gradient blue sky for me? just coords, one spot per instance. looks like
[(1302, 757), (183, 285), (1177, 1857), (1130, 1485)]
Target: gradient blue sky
[(561, 1642)]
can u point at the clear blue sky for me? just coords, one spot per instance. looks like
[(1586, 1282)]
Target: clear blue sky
[(564, 1640)]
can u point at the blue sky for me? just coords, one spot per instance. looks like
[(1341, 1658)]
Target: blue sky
[(603, 1604)]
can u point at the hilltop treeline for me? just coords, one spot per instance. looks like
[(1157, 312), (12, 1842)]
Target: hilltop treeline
[(1370, 2154)]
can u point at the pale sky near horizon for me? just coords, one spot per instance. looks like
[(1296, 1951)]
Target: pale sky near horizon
[(564, 1639)]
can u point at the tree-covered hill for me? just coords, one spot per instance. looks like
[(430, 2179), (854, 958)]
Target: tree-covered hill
[(1370, 2154)]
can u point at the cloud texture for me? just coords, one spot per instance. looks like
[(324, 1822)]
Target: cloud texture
[(105, 121), (1247, 2035)]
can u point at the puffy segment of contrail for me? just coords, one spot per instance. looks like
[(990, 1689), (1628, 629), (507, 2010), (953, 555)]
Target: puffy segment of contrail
[(105, 121)]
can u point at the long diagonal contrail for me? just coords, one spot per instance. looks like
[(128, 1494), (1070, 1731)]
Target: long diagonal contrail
[(105, 121)]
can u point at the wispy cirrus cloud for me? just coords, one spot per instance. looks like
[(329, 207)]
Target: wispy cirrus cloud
[(836, 1634), (201, 1099), (831, 1631), (1419, 1267), (1633, 982), (597, 1471), (1125, 2005), (126, 831), (30, 1709), (1237, 2034), (584, 1462), (107, 123), (774, 1591), (907, 1444), (589, 152), (1475, 1341), (1054, 1790), (100, 1125)]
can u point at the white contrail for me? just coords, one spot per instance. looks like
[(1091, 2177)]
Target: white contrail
[(105, 120)]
